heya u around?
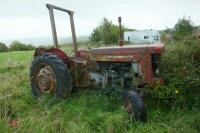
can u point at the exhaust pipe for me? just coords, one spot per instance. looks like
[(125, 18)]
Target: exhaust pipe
[(121, 40)]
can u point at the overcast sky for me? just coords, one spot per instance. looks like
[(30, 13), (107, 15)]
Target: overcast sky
[(29, 18)]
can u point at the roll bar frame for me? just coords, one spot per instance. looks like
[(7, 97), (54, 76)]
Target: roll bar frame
[(53, 26)]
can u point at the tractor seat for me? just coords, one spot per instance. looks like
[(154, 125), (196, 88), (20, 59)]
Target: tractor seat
[(79, 60)]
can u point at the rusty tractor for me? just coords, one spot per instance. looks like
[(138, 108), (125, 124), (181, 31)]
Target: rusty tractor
[(130, 67)]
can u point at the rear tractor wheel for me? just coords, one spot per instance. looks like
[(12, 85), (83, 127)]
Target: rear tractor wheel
[(134, 105), (49, 74)]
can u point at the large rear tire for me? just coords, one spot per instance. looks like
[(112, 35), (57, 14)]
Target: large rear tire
[(49, 73), (134, 105)]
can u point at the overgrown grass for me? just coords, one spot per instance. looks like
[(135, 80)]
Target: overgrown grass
[(86, 111)]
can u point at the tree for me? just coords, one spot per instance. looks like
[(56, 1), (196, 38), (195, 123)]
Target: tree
[(18, 46), (3, 47), (106, 32), (183, 27), (96, 35)]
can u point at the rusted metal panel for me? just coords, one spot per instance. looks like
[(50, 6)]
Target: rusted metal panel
[(58, 52), (146, 68), (117, 58), (80, 75), (129, 49), (117, 53)]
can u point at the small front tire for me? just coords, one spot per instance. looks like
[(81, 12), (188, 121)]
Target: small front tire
[(134, 105)]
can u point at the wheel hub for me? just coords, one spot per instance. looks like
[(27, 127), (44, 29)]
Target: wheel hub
[(128, 105), (46, 79)]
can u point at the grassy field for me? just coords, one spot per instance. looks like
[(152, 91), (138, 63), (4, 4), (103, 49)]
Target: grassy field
[(86, 111)]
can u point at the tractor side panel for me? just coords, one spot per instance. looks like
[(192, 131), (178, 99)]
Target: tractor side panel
[(146, 69), (80, 75)]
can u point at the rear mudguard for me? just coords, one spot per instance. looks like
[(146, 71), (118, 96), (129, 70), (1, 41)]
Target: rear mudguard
[(58, 52)]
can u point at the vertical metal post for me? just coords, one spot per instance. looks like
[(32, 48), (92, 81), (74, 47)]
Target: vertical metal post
[(120, 32), (73, 33), (53, 27)]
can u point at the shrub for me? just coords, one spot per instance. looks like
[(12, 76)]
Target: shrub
[(3, 47), (180, 68), (18, 46)]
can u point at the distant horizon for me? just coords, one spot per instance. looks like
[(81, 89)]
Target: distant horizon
[(48, 40)]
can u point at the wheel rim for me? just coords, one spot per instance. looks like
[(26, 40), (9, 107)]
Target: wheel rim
[(128, 105), (44, 78)]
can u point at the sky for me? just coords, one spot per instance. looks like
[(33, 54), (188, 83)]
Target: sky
[(30, 18)]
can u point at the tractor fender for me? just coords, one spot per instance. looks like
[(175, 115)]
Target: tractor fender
[(55, 51)]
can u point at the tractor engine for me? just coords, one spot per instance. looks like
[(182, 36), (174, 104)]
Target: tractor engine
[(113, 74)]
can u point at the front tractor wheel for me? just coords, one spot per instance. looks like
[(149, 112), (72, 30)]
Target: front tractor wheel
[(134, 105), (49, 74)]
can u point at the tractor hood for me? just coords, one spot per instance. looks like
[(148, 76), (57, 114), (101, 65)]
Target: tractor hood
[(120, 53)]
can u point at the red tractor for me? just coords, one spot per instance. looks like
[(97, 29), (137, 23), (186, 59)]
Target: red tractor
[(129, 67)]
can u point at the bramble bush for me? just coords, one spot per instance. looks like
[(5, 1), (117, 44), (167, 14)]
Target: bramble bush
[(180, 68)]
